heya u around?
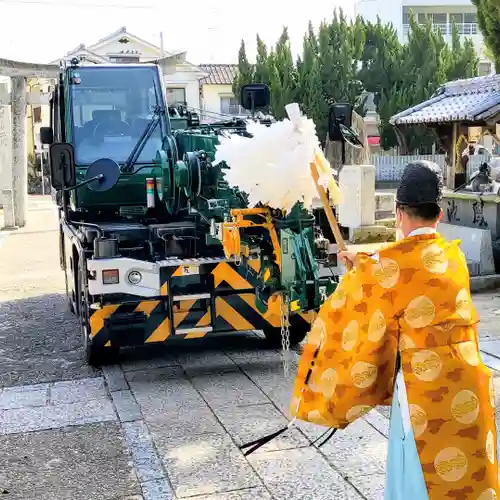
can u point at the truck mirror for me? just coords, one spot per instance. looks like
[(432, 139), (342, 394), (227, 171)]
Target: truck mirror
[(62, 165), (254, 96), (102, 175), (340, 125), (46, 135)]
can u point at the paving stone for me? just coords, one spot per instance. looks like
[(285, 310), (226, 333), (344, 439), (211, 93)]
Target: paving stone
[(311, 431), (271, 380), (301, 474), (247, 423), (126, 406), (246, 494), (53, 417), (146, 460), (163, 389), (76, 463), (115, 378), (378, 421), (490, 346), (229, 389), (253, 358), (148, 364), (371, 486), (178, 421), (206, 464), (357, 450), (490, 361), (78, 390), (159, 489), (203, 363), (34, 395)]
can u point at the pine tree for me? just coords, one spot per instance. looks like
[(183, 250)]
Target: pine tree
[(283, 77), (261, 74), (245, 71)]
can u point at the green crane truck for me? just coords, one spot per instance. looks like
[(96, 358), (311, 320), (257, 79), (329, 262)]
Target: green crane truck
[(143, 214)]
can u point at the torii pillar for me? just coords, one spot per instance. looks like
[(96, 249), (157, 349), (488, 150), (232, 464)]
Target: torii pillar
[(14, 178), (15, 175)]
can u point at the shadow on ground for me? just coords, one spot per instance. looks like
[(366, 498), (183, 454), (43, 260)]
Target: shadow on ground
[(40, 342)]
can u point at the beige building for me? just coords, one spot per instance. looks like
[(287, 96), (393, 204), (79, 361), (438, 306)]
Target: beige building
[(216, 90)]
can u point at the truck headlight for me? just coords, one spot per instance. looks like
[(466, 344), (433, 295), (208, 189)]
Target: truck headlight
[(134, 277)]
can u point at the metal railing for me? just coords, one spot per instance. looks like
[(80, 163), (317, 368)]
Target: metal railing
[(234, 110), (466, 29)]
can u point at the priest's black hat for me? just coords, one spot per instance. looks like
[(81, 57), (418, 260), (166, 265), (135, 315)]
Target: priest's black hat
[(421, 184)]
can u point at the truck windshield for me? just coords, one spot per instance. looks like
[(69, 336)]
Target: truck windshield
[(110, 108)]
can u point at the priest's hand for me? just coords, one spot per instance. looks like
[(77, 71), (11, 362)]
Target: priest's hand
[(347, 258)]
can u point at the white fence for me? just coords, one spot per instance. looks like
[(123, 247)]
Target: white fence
[(390, 168)]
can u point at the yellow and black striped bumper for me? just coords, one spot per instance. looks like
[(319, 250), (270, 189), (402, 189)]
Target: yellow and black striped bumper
[(219, 298)]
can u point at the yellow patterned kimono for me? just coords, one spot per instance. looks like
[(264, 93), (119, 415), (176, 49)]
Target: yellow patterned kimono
[(413, 298)]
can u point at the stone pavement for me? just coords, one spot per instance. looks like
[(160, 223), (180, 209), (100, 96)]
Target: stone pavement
[(166, 423)]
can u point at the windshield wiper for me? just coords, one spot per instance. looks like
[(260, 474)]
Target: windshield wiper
[(146, 134)]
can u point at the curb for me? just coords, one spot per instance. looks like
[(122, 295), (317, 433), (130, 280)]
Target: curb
[(484, 283)]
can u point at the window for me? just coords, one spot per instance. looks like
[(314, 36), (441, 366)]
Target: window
[(176, 95), (470, 24), (230, 106), (456, 18), (37, 114), (110, 109), (439, 18), (484, 69), (406, 15), (470, 18), (125, 59), (423, 18)]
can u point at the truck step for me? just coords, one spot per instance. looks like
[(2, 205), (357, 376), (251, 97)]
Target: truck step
[(200, 329), (193, 296), (190, 262)]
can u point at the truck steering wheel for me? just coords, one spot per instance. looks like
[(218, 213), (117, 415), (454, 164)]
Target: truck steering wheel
[(103, 129)]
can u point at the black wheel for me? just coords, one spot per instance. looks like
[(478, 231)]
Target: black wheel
[(96, 355), (298, 331)]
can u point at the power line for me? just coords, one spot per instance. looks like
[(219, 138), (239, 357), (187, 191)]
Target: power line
[(79, 5)]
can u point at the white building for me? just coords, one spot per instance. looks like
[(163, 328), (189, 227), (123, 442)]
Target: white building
[(442, 13), (203, 87), (183, 85)]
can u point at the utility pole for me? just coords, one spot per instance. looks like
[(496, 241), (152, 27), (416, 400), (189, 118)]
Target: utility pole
[(162, 48)]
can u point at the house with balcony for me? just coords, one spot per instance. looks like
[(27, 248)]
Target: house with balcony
[(216, 92)]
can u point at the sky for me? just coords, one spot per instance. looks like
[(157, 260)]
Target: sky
[(44, 30)]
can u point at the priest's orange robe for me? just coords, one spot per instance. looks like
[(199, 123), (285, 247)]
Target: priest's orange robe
[(414, 299)]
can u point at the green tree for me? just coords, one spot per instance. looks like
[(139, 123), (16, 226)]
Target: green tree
[(488, 15), (463, 61), (328, 69), (282, 76), (245, 71), (309, 91), (261, 74), (402, 76)]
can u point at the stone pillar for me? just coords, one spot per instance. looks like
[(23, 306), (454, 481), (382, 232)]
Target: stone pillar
[(357, 183), (19, 150), (5, 138)]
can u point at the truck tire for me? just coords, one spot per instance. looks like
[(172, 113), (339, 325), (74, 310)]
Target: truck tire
[(95, 355), (298, 331)]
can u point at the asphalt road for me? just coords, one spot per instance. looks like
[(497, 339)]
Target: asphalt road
[(166, 423)]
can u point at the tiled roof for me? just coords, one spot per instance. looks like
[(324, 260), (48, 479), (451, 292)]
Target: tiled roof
[(219, 74), (473, 100)]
